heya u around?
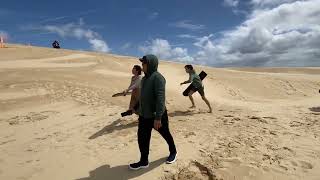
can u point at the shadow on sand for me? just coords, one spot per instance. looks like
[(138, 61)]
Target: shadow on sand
[(183, 113), (122, 172), (315, 109), (113, 127)]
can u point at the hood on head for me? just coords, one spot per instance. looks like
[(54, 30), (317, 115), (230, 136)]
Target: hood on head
[(152, 63)]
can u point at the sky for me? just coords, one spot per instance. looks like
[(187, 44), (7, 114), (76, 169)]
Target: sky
[(219, 33)]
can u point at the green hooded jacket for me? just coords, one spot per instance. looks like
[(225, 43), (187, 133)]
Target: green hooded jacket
[(152, 97)]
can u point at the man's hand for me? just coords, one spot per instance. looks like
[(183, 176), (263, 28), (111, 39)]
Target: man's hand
[(125, 92), (157, 124)]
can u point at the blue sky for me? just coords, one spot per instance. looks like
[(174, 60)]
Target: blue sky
[(208, 32)]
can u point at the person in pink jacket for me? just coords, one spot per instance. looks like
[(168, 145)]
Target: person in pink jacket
[(1, 42), (134, 87)]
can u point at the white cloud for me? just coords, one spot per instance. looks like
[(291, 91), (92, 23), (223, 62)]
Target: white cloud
[(188, 36), (270, 3), (287, 35), (153, 16), (187, 25), (78, 31), (59, 18), (231, 3), (163, 49), (99, 45), (53, 19), (126, 46)]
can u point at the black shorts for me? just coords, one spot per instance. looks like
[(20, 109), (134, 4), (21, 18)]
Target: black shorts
[(200, 90)]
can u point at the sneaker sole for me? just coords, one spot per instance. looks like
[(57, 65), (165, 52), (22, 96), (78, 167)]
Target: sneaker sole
[(141, 167), (171, 162)]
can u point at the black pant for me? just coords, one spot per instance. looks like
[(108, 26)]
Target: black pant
[(144, 135)]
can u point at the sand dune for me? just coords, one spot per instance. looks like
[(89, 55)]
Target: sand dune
[(58, 120), (45, 62)]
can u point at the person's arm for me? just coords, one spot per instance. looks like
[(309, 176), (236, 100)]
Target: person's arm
[(134, 84), (128, 89), (188, 81), (160, 84)]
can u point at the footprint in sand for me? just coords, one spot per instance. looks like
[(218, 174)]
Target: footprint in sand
[(258, 119), (195, 170), (189, 134), (294, 163), (8, 141), (296, 124), (254, 117), (268, 117), (290, 150), (31, 117), (305, 165), (317, 114), (273, 133), (230, 121), (236, 119)]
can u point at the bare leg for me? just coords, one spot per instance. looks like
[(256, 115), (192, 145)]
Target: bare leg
[(191, 99), (208, 103)]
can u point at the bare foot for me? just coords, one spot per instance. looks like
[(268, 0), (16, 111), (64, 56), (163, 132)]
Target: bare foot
[(192, 107), (210, 111)]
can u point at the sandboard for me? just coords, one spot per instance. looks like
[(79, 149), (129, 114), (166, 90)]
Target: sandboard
[(120, 94)]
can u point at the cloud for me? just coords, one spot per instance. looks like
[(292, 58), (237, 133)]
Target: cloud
[(234, 4), (77, 30), (55, 19), (153, 16), (163, 49), (99, 45), (187, 25), (286, 35), (231, 3), (187, 36), (126, 46), (270, 3)]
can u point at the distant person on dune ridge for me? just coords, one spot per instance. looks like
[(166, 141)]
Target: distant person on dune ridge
[(56, 44), (134, 87), (152, 112), (197, 85), (1, 42)]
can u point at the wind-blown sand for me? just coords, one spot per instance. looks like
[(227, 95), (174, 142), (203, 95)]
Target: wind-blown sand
[(59, 121)]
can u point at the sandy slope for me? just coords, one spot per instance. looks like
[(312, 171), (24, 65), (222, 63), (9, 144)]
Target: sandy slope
[(58, 120)]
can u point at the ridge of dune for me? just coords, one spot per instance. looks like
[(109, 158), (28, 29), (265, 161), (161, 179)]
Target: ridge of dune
[(59, 121)]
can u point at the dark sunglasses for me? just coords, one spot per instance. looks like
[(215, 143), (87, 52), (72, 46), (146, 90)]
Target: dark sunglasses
[(144, 60)]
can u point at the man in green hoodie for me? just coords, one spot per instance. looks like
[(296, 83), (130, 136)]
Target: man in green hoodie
[(197, 85), (152, 112)]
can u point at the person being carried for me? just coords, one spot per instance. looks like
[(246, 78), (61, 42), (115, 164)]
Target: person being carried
[(197, 85), (134, 87), (152, 112), (56, 44)]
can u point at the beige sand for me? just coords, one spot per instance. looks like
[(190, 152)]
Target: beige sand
[(58, 120)]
